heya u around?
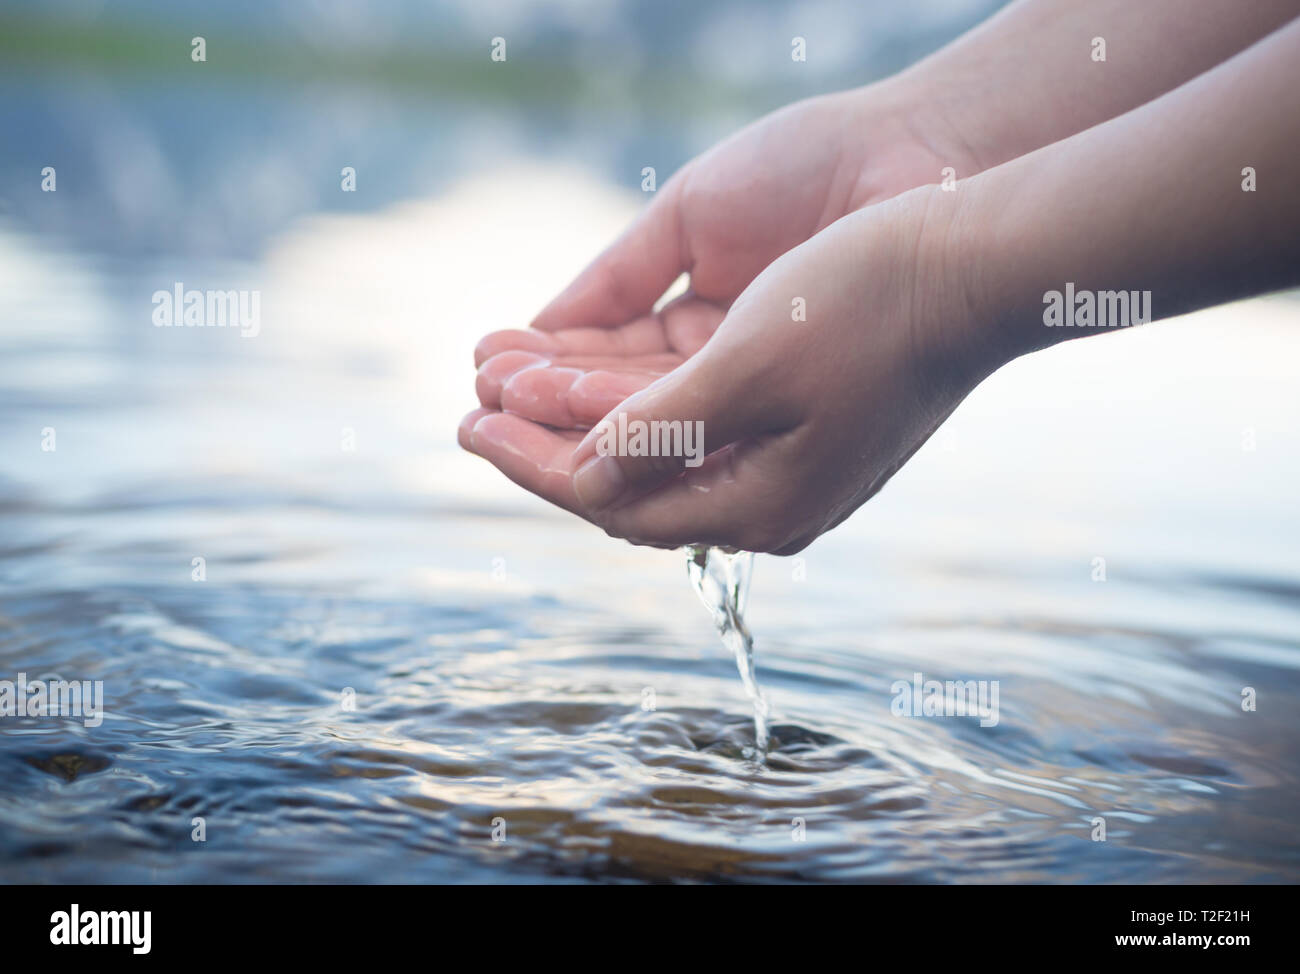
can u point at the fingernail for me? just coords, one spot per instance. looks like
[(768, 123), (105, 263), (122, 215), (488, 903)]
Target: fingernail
[(598, 482)]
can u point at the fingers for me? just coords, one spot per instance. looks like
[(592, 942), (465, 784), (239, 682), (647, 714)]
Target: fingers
[(681, 327), (514, 339), (541, 376), (465, 431), (643, 336), (744, 497), (567, 390), (494, 373), (534, 457), (570, 398), (625, 281), (670, 426)]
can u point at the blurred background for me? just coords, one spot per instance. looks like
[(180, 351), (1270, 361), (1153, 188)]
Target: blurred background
[(499, 651)]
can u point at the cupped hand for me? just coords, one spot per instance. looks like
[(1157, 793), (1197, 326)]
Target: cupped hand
[(723, 218), (802, 420)]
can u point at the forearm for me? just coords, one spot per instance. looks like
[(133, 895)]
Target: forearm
[(1150, 201), (1026, 77)]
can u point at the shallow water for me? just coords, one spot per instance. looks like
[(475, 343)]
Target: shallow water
[(395, 659), (511, 665)]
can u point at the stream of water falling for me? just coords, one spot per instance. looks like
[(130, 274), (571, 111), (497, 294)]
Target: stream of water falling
[(721, 580)]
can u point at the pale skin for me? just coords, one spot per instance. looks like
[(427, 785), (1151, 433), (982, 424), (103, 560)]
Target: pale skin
[(1128, 178)]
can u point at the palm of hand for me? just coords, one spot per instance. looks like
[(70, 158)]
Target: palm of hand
[(723, 219)]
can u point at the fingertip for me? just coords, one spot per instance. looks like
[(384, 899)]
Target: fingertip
[(493, 373), (546, 322), (481, 433), (629, 276), (558, 315), (541, 394), (590, 301), (603, 389), (465, 431), (512, 339)]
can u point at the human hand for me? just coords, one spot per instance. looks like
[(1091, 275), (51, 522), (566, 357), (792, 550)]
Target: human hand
[(802, 420), (774, 184), (724, 217), (802, 424)]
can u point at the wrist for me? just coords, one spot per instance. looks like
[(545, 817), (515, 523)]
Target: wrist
[(903, 137), (1030, 236), (960, 280)]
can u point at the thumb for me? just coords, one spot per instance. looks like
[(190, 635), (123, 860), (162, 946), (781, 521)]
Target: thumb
[(627, 279), (668, 427)]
